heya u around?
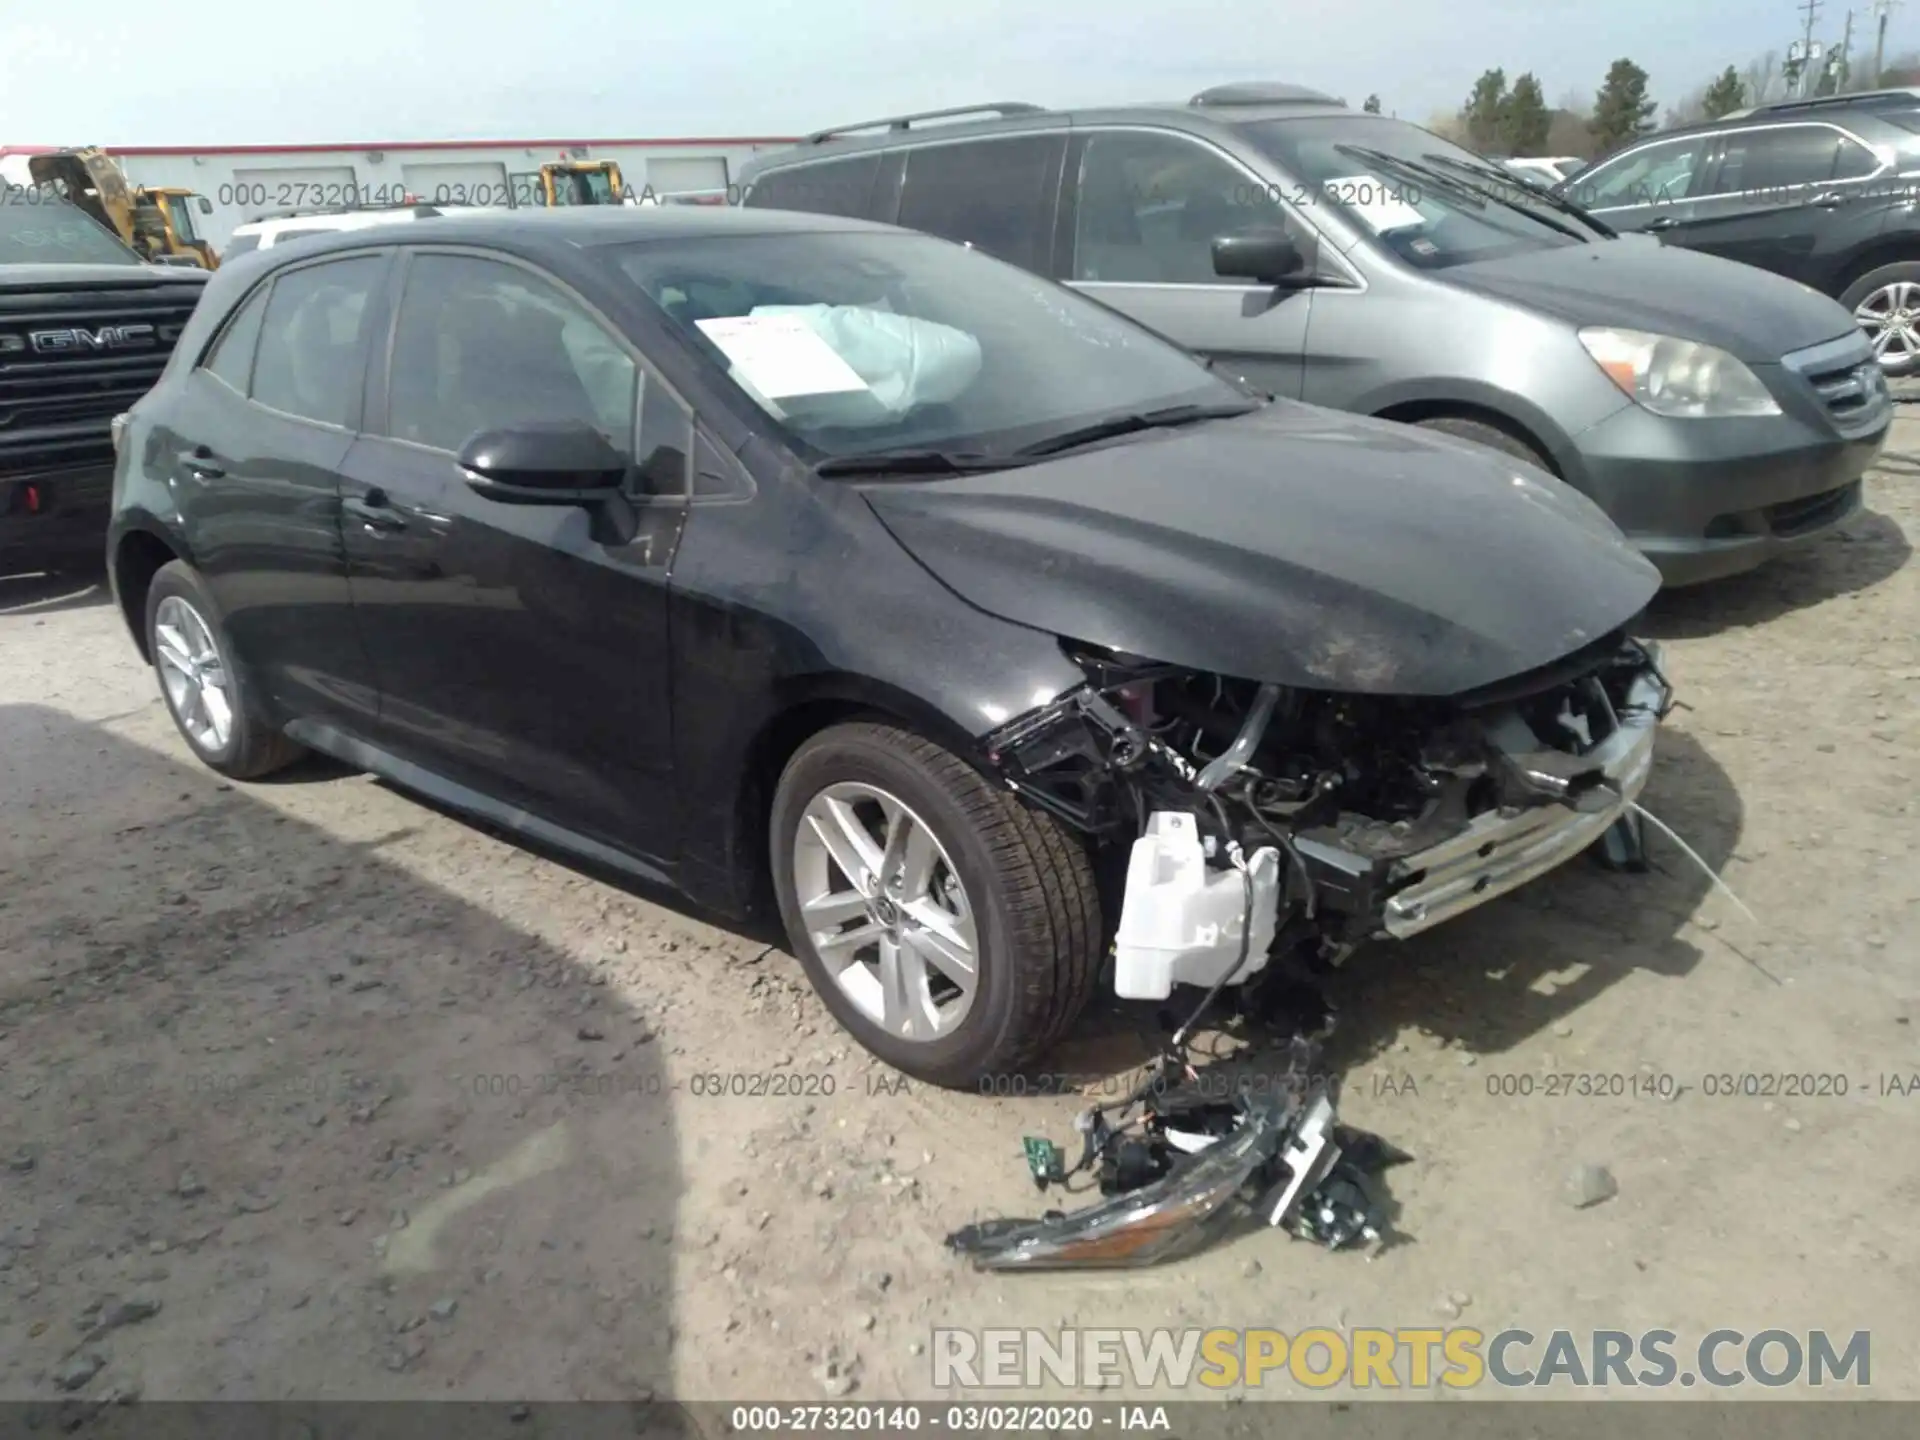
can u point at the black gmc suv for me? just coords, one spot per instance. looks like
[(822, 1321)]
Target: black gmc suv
[(85, 328)]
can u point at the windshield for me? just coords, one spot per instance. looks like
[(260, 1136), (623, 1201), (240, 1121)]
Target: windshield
[(1425, 209), (860, 343), (38, 229)]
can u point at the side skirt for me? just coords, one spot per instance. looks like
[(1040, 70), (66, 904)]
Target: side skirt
[(409, 776)]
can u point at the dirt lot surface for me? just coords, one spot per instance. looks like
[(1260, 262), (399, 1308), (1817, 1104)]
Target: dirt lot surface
[(370, 1103)]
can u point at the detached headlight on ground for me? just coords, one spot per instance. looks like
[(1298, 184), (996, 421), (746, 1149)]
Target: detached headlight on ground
[(1682, 379)]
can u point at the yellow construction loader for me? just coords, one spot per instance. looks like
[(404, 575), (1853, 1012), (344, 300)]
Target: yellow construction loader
[(582, 182), (157, 221)]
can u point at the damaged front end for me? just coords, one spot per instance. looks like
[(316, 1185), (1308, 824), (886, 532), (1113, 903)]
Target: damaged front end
[(1262, 817)]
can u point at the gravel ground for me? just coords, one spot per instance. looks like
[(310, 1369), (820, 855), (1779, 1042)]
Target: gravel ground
[(311, 1090)]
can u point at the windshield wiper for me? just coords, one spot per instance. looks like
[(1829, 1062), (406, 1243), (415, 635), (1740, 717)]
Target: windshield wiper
[(1533, 192), (911, 462), (1130, 424), (1420, 174)]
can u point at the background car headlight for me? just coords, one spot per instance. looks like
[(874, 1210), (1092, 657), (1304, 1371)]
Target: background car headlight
[(1679, 378)]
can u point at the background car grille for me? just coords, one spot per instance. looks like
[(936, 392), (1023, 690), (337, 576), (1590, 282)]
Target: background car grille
[(1849, 391), (1845, 379), (55, 409)]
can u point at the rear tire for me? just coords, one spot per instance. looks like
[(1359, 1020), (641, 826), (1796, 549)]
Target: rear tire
[(977, 865), (1491, 436), (208, 695), (1881, 292)]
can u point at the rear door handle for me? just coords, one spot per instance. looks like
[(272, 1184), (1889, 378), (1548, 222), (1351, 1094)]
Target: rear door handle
[(201, 463), (374, 511), (1831, 200), (1663, 222)]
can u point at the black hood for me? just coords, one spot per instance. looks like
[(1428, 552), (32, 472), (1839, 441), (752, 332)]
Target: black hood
[(1294, 545), (134, 273), (1639, 284)]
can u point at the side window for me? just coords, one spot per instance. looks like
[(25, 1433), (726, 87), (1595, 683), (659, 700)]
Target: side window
[(829, 187), (480, 343), (996, 195), (1658, 174), (311, 361), (1150, 207), (231, 359), (1780, 158), (665, 442), (1855, 161)]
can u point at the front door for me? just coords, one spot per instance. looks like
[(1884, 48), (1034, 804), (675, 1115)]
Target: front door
[(1650, 189), (1147, 206), (520, 649)]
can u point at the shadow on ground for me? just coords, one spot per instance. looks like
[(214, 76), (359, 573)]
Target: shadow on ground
[(40, 594), (1866, 551), (286, 1120)]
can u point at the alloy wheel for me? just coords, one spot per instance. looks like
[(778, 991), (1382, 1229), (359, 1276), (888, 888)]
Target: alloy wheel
[(1891, 318), (886, 911), (196, 680)]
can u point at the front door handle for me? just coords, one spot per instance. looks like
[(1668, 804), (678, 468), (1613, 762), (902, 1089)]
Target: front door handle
[(1831, 200), (374, 511), (1663, 222), (201, 463)]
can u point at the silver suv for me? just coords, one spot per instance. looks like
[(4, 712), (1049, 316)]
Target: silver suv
[(1719, 414)]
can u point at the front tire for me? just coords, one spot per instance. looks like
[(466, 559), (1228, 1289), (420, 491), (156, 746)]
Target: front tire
[(953, 931), (1491, 436), (205, 691), (1886, 304)]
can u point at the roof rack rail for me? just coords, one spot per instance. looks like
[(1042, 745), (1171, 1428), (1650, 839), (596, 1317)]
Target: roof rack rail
[(1901, 96), (907, 122), (418, 208), (1263, 93)]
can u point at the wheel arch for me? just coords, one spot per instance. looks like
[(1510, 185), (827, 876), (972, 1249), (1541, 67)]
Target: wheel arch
[(1880, 252), (803, 708), (139, 551), (1413, 411)]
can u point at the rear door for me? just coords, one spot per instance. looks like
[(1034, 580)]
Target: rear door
[(1144, 207), (1000, 195), (520, 650), (1781, 197), (254, 444)]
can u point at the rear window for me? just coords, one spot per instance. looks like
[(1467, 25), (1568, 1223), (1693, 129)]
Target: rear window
[(241, 244), (821, 187), (38, 228)]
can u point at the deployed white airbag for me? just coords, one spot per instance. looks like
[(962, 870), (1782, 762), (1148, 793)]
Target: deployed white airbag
[(901, 362)]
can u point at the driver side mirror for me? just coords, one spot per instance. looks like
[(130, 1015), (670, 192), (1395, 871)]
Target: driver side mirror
[(544, 463), (203, 205), (1267, 257)]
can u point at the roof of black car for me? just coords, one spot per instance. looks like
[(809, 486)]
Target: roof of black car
[(583, 226)]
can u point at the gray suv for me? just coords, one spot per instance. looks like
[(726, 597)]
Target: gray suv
[(1717, 413)]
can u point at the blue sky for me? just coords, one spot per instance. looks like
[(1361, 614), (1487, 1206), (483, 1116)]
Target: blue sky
[(129, 72)]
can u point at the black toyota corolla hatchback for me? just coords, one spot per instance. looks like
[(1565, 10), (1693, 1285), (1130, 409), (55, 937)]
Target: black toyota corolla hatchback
[(812, 564)]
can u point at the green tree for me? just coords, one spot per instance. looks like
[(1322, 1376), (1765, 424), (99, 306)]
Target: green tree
[(1525, 119), (1622, 110), (1372, 107), (1484, 108), (1725, 95)]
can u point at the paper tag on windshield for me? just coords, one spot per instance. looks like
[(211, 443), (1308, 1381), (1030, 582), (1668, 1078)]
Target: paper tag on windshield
[(1375, 201), (781, 355)]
